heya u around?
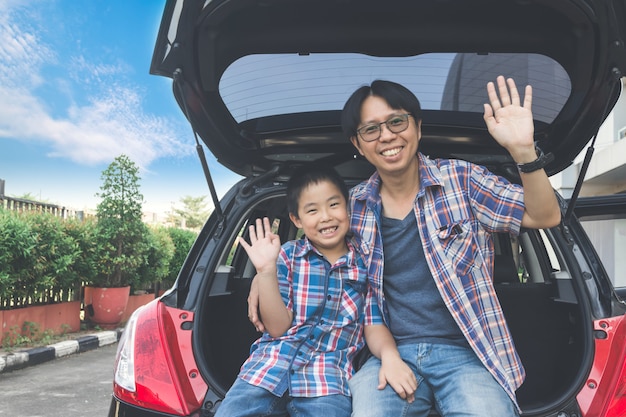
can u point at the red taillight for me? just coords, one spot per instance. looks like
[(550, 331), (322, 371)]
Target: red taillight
[(604, 394), (157, 353)]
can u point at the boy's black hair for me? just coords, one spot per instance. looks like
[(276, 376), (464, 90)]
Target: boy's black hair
[(307, 175), (396, 95)]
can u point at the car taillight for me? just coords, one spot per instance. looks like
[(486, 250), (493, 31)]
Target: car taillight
[(125, 358), (604, 394), (155, 368)]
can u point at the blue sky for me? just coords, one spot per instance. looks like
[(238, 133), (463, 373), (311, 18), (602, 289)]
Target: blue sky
[(75, 92)]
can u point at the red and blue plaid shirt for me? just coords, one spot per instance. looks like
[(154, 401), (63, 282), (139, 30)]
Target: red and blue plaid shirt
[(314, 357), (457, 208)]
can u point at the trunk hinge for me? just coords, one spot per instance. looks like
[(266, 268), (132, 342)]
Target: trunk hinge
[(178, 80), (579, 182), (586, 162)]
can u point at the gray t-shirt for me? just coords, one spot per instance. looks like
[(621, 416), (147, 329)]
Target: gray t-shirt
[(417, 312)]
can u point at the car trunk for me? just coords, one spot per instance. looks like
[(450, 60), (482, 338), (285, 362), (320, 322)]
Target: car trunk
[(539, 297)]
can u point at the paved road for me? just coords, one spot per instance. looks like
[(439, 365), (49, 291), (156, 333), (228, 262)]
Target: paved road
[(77, 385)]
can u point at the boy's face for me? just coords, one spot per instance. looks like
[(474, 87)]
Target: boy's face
[(323, 216)]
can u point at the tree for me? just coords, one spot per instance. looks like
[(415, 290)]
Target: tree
[(193, 214), (121, 234)]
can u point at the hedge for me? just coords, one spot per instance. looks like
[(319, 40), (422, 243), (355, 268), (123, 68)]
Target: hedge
[(45, 259)]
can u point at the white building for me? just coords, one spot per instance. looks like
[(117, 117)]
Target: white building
[(607, 171)]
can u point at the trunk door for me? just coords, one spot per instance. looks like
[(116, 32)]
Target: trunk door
[(263, 82)]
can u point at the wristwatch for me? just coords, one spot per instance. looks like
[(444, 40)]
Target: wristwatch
[(539, 163)]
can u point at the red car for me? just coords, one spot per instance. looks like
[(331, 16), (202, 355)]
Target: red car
[(263, 84)]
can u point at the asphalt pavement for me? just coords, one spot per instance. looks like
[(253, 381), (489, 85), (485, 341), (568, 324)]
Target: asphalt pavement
[(75, 385)]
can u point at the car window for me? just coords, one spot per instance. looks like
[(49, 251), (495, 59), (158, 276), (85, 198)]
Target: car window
[(264, 85), (237, 258), (608, 236), (536, 257)]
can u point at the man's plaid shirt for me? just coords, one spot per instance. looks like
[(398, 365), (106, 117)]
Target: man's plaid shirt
[(457, 208), (314, 357)]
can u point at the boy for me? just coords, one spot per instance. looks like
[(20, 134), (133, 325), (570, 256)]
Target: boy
[(312, 295)]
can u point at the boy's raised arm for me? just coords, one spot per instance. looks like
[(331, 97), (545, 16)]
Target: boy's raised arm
[(263, 251)]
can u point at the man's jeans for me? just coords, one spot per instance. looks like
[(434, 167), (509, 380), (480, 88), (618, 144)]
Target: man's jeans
[(244, 399), (450, 379)]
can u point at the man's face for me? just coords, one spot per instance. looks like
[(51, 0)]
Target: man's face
[(391, 152)]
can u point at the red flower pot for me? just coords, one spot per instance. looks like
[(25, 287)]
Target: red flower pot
[(108, 306)]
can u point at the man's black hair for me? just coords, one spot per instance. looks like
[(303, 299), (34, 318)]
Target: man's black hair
[(307, 175), (396, 95)]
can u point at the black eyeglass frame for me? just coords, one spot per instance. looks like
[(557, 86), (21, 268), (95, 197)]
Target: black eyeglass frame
[(404, 116)]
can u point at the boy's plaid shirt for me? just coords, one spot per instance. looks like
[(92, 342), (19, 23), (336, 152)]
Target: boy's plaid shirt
[(457, 208), (314, 357)]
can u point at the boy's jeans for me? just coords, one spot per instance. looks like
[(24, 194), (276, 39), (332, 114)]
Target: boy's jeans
[(244, 400), (450, 378)]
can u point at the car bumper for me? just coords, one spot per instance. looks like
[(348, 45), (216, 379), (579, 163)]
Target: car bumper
[(121, 409)]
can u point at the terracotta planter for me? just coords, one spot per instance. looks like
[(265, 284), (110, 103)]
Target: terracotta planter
[(134, 302), (108, 306)]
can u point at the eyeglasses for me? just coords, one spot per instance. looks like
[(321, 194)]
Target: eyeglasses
[(395, 124)]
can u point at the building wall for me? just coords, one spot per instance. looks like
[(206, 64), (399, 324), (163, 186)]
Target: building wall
[(607, 172)]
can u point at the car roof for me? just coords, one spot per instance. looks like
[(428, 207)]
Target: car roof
[(263, 82)]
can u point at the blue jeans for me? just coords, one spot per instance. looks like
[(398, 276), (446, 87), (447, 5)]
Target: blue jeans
[(450, 379), (244, 399)]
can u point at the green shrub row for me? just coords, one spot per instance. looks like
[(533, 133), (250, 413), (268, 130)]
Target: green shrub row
[(45, 259)]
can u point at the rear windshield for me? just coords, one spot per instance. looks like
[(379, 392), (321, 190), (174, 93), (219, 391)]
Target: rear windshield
[(266, 85)]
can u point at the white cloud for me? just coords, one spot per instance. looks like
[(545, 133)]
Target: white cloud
[(111, 120), (21, 52), (84, 71)]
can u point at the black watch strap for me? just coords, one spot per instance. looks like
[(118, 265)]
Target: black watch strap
[(539, 163)]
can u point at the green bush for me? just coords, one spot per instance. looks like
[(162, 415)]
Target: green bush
[(45, 259), (37, 259), (83, 232), (55, 255), (17, 246), (183, 240), (159, 253)]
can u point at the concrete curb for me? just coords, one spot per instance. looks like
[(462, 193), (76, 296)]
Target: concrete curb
[(34, 356)]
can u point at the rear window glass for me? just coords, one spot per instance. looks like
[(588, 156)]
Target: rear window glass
[(265, 85)]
